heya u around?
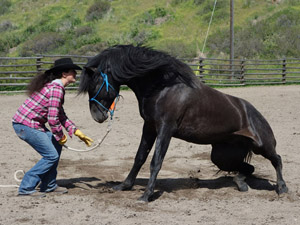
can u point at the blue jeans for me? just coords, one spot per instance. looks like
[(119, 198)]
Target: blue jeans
[(45, 169)]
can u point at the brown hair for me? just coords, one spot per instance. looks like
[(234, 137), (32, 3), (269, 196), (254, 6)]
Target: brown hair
[(39, 81)]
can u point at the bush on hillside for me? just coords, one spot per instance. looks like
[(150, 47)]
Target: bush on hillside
[(67, 23), (80, 31), (42, 43), (262, 38), (5, 25), (9, 40), (97, 10), (4, 6), (152, 16), (199, 2), (144, 36), (90, 49), (221, 10), (178, 48)]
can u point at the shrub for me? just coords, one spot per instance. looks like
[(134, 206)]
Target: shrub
[(199, 2), (3, 46), (4, 6), (42, 43), (178, 48), (5, 25), (262, 39), (177, 2), (9, 40), (67, 23), (83, 31), (221, 10), (149, 17), (142, 37), (97, 10), (90, 49)]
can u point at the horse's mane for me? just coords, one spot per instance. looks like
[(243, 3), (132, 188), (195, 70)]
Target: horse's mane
[(126, 62)]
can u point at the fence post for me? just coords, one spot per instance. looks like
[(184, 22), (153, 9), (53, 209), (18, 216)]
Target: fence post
[(242, 77), (38, 64), (284, 71), (201, 69)]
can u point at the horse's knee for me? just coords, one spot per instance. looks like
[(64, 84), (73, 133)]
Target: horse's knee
[(230, 158), (246, 169)]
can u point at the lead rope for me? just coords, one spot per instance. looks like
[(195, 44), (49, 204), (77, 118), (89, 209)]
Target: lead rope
[(16, 179), (109, 127)]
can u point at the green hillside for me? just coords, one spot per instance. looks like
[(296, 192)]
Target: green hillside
[(263, 28)]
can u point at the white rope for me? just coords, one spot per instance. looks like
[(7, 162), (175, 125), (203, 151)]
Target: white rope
[(87, 149), (16, 179), (67, 147), (109, 127), (212, 14)]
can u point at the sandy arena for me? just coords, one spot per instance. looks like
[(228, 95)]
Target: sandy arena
[(189, 190)]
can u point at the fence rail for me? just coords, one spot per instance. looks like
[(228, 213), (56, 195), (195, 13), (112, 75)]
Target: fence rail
[(16, 72)]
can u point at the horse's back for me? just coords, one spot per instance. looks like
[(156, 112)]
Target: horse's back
[(205, 115)]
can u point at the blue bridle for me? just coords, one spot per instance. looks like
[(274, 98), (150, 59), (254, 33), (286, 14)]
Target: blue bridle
[(107, 85)]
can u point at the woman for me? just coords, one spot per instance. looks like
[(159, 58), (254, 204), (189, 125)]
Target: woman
[(45, 104)]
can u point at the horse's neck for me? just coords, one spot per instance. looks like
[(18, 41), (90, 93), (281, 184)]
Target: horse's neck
[(136, 89)]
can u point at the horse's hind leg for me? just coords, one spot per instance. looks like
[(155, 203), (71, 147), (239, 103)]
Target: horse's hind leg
[(147, 141), (230, 157)]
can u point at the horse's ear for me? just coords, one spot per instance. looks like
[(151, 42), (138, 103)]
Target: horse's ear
[(90, 70)]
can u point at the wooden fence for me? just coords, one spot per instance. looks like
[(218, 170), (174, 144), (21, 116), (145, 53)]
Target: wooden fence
[(15, 73)]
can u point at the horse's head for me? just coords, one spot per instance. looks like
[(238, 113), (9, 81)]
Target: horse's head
[(102, 91)]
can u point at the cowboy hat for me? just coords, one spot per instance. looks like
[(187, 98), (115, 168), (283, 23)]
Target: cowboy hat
[(63, 64)]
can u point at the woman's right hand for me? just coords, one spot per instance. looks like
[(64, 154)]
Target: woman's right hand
[(63, 140)]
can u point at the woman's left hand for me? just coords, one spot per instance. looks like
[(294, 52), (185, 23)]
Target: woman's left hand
[(88, 141)]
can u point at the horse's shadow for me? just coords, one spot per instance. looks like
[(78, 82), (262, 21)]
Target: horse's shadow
[(73, 182), (171, 184)]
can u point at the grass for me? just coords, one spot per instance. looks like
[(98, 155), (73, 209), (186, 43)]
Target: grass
[(185, 23)]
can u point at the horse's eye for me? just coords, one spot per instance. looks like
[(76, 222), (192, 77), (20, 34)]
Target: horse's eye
[(90, 70)]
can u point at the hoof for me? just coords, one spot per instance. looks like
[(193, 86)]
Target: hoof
[(243, 187), (143, 199), (282, 189), (240, 182), (121, 187)]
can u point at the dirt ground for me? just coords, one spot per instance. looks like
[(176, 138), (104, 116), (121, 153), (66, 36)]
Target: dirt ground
[(189, 190)]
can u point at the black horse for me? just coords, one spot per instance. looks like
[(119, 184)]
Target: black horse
[(174, 103)]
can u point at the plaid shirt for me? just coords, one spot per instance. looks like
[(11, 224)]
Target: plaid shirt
[(46, 106)]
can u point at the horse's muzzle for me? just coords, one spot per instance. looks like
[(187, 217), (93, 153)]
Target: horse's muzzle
[(99, 115)]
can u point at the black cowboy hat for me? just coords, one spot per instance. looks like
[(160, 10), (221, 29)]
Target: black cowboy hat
[(63, 64)]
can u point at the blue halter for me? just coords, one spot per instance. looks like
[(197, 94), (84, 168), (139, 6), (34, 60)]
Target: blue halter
[(107, 85)]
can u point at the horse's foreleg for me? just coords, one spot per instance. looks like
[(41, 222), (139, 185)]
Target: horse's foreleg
[(240, 182), (161, 147), (147, 141), (277, 163), (270, 153)]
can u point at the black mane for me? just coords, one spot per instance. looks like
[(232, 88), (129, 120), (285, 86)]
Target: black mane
[(126, 62)]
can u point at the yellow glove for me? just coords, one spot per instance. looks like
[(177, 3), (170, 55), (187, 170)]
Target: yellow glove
[(63, 140), (88, 141)]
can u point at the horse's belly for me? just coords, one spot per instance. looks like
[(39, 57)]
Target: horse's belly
[(207, 132), (202, 138)]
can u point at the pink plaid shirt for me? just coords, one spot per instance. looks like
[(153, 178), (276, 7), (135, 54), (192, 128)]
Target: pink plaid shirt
[(46, 106)]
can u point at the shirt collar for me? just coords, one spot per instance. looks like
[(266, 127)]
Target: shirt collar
[(58, 81)]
